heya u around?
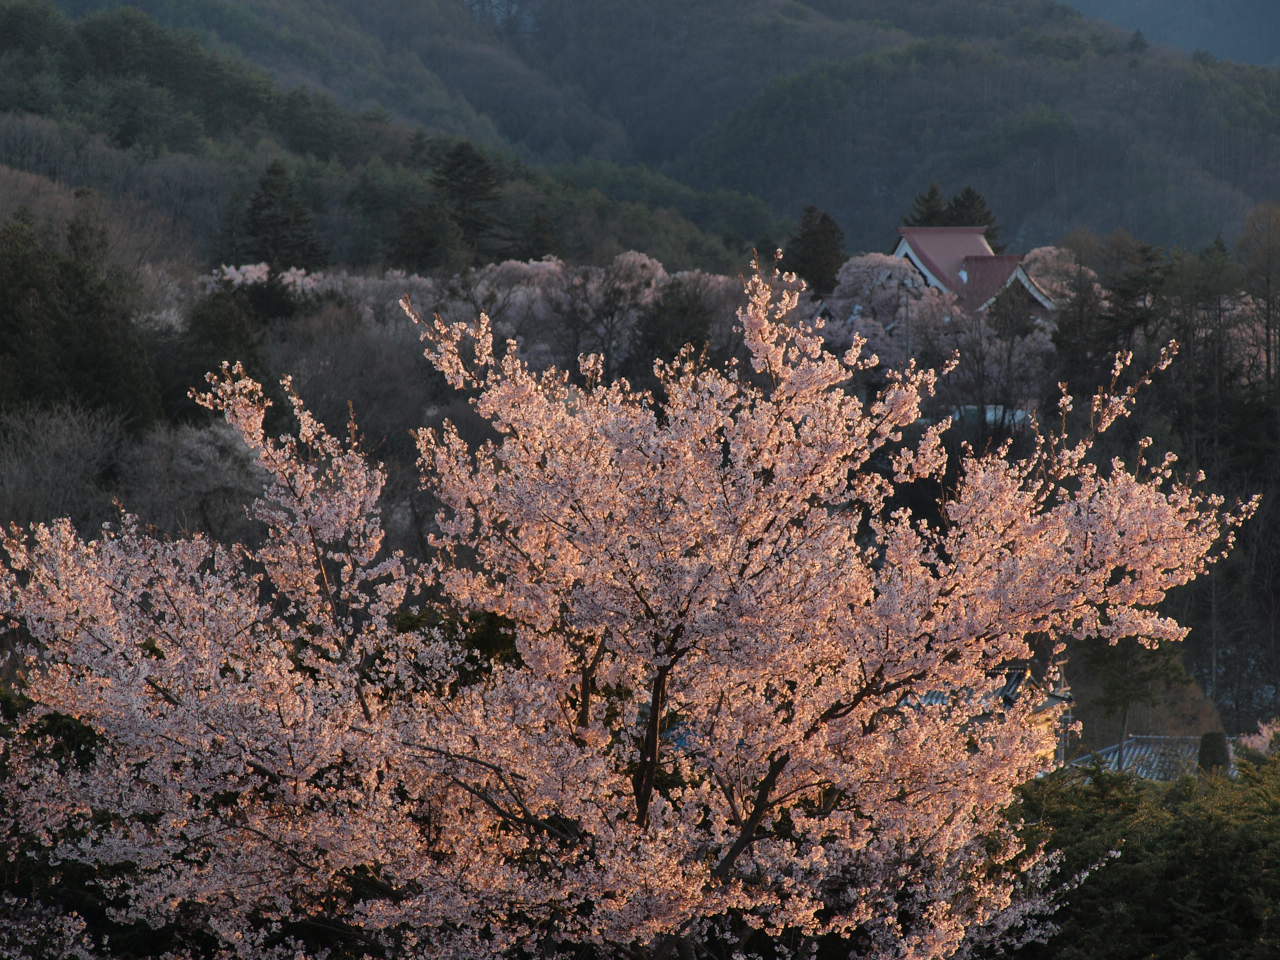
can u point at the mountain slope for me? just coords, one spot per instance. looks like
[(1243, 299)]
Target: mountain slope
[(430, 62), (852, 105), (1171, 149), (150, 117), (1243, 30)]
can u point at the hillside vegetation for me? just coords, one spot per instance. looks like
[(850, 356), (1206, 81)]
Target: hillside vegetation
[(152, 118), (852, 105), (1244, 30)]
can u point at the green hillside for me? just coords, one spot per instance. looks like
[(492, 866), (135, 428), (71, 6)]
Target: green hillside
[(430, 62), (150, 115), (851, 105), (1056, 132)]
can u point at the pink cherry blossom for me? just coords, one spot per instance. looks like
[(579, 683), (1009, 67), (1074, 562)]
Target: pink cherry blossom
[(720, 714)]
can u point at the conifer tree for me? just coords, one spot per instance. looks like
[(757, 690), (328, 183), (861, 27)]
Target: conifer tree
[(968, 208), (467, 184), (1259, 250), (277, 228), (67, 334), (428, 238), (816, 252), (928, 209)]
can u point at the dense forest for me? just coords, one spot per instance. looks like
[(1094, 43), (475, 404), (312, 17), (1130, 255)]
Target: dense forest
[(188, 183), (146, 116), (1243, 30), (860, 102)]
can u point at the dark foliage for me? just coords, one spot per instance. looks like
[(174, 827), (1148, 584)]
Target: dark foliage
[(276, 226), (1198, 871), (66, 330), (968, 208), (816, 252)]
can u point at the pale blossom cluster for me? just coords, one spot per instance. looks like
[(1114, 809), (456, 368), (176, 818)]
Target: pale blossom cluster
[(711, 720), (1060, 274), (1264, 739), (553, 309), (296, 280), (33, 931), (886, 301), (164, 294), (233, 277), (556, 311)]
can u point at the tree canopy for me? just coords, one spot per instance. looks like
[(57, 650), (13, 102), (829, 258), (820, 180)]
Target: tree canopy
[(715, 715)]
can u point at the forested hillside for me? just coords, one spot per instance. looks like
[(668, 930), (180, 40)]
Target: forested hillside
[(1244, 30), (852, 105), (150, 118)]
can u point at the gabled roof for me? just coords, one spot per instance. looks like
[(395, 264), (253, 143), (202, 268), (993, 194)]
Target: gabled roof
[(940, 252), (982, 279), (960, 260)]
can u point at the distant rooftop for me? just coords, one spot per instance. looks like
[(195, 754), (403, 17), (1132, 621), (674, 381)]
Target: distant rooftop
[(960, 260), (944, 250), (1149, 757)]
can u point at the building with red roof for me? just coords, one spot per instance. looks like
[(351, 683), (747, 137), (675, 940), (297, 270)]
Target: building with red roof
[(960, 261)]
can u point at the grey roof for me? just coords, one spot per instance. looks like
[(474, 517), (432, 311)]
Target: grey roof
[(1153, 758)]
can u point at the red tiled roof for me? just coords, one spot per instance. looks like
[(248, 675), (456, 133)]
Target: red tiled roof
[(942, 250), (987, 276), (961, 260)]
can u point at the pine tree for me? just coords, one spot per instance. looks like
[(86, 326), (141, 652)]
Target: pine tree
[(467, 184), (67, 334), (968, 208), (928, 209), (428, 238), (278, 229), (816, 252)]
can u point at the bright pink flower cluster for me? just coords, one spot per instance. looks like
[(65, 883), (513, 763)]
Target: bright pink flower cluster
[(725, 625)]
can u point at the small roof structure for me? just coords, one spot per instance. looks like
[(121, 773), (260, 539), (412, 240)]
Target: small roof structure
[(959, 260), (1150, 757)]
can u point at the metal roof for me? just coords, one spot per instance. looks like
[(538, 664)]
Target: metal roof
[(1150, 757)]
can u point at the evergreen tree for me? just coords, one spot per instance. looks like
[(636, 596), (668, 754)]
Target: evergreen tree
[(1128, 674), (680, 314), (928, 209), (816, 252), (1259, 250), (968, 208), (277, 228), (428, 238), (1198, 869), (467, 183), (66, 330), (538, 239), (1137, 294)]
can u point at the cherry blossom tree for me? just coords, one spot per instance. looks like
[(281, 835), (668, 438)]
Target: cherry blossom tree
[(1059, 273), (886, 301), (717, 721)]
